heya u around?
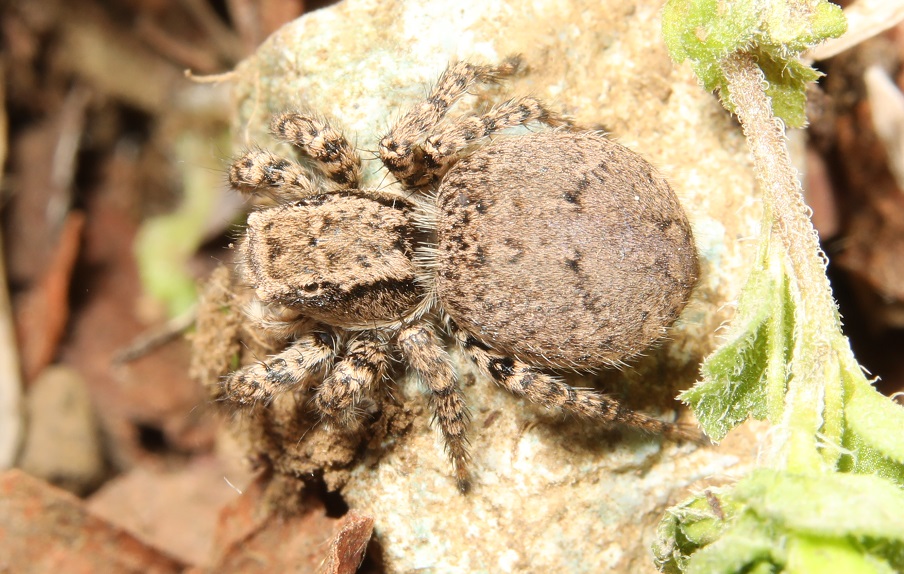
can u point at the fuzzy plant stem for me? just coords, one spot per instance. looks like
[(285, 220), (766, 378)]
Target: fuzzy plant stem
[(816, 321)]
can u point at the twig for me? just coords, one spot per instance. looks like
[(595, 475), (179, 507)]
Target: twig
[(11, 417), (156, 337), (210, 78), (65, 154)]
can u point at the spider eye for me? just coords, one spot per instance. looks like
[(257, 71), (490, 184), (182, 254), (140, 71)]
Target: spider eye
[(310, 288)]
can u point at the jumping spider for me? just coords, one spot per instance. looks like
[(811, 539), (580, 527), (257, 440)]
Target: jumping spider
[(551, 251)]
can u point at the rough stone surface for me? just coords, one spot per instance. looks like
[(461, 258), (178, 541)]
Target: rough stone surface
[(550, 494)]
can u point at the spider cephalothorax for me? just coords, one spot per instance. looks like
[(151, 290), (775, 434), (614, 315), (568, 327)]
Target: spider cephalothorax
[(548, 250)]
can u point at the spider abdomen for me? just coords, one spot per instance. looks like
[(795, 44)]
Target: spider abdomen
[(562, 248)]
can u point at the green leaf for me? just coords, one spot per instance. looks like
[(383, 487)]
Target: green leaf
[(707, 30), (746, 547), (831, 555), (831, 434), (863, 458), (688, 526), (747, 375), (775, 31), (873, 417), (873, 424), (787, 87), (796, 25), (825, 505), (779, 521)]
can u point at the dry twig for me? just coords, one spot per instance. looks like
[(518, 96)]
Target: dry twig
[(11, 423)]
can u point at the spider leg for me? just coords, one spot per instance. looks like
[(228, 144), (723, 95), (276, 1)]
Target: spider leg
[(304, 362), (353, 376), (323, 143), (399, 149), (442, 147), (431, 362), (258, 172), (524, 380)]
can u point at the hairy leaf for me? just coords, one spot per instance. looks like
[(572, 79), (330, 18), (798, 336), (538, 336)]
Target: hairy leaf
[(776, 31), (747, 375)]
